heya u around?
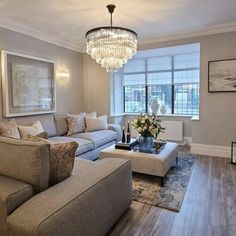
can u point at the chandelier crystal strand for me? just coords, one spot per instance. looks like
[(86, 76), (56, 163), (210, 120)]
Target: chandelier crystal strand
[(111, 46)]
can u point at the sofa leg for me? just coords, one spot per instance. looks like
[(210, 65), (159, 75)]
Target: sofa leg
[(162, 181), (177, 160)]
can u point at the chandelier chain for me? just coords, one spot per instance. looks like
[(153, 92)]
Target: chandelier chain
[(111, 20)]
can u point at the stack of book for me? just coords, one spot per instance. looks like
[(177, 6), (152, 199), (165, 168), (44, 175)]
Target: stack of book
[(126, 146)]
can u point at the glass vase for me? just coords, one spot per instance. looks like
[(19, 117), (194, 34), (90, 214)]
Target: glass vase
[(145, 143)]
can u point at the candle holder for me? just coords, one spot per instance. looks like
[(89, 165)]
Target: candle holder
[(128, 138), (123, 135)]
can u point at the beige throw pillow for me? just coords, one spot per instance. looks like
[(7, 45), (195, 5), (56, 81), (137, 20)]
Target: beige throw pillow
[(93, 124), (9, 129), (34, 129), (62, 157), (43, 135)]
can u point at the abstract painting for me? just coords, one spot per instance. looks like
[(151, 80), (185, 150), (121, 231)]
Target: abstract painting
[(222, 76), (28, 85)]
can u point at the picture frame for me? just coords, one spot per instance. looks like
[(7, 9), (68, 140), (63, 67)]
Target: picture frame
[(222, 76), (28, 85)]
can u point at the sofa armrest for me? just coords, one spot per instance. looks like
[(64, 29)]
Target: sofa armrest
[(117, 129), (26, 161), (83, 204), (13, 193)]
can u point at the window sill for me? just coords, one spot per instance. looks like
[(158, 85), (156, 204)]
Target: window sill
[(195, 118), (117, 115), (167, 115)]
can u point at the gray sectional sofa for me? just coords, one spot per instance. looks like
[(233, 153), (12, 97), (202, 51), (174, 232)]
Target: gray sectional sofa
[(88, 203), (90, 143)]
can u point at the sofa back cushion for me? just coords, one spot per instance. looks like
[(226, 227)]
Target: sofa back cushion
[(61, 124), (47, 121), (26, 161)]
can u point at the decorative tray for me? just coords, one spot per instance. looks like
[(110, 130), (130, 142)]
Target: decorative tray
[(151, 151)]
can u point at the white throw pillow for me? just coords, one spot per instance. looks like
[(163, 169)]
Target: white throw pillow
[(92, 114), (34, 129), (93, 124)]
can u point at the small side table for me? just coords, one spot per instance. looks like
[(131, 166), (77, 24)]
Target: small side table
[(233, 153)]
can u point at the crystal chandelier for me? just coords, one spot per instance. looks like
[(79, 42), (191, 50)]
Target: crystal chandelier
[(111, 46)]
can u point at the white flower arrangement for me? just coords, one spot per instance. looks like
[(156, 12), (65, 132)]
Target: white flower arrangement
[(148, 125)]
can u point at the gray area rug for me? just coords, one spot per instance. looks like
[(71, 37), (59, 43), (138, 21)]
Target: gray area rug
[(147, 189)]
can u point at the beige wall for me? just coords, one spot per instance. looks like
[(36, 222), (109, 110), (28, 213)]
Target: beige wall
[(96, 87), (217, 124), (70, 94)]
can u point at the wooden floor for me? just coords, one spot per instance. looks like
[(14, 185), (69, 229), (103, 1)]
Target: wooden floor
[(209, 206)]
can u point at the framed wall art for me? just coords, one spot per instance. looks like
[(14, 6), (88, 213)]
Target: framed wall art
[(28, 85), (222, 76)]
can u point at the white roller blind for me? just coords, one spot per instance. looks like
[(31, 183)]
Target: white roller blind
[(186, 61), (136, 79), (159, 63), (159, 78), (186, 76), (134, 66)]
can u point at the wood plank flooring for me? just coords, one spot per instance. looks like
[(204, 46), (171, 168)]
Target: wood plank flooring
[(209, 206)]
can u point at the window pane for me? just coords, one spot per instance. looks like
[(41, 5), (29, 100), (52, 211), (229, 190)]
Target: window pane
[(136, 79), (187, 99), (159, 63), (163, 95), (188, 76), (159, 78), (185, 61), (135, 98), (134, 66)]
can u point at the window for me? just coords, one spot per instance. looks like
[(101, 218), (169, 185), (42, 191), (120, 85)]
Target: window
[(173, 79)]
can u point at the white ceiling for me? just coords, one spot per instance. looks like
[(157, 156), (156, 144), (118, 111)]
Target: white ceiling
[(65, 22)]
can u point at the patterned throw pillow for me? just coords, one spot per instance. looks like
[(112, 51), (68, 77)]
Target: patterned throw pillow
[(93, 124), (9, 129), (62, 157), (34, 129), (76, 123)]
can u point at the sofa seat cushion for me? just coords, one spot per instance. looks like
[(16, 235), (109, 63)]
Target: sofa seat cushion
[(98, 138), (84, 144), (13, 194)]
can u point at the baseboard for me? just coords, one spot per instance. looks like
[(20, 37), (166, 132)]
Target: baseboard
[(210, 150)]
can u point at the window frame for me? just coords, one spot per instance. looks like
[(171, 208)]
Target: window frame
[(172, 71)]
